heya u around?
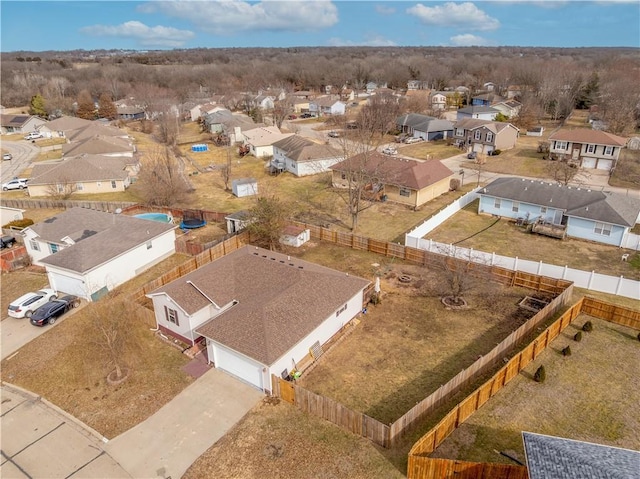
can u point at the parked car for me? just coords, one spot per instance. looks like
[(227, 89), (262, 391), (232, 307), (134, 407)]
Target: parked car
[(334, 134), (292, 117), (26, 304), (306, 115), (472, 155), (7, 157), (7, 241), (352, 125), (413, 139), (389, 150), (49, 312), (34, 135), (15, 184)]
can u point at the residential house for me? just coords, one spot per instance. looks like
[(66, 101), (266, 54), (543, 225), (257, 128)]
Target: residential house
[(198, 111), (426, 127), (477, 112), (489, 86), (587, 148), (326, 105), (264, 102), (486, 99), (550, 457), (300, 105), (260, 140), (230, 124), (61, 126), (438, 101), (509, 108), (95, 129), (84, 174), (583, 213), (100, 145), (409, 182), (417, 85), (372, 86), (8, 214), (304, 94), (347, 95), (302, 157), (21, 124), (483, 136), (266, 315), (88, 252), (125, 112)]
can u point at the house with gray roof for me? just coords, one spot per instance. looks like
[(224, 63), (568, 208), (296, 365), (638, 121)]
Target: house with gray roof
[(302, 157), (95, 129), (20, 124), (259, 311), (587, 148), (327, 106), (550, 457), (426, 127), (260, 140), (88, 252), (100, 145), (583, 213), (61, 126), (480, 112), (484, 136)]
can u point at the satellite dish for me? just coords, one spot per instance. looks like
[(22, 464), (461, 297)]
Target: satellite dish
[(118, 211)]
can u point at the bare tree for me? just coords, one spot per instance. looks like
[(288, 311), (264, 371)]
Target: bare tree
[(62, 189), (111, 334), (267, 220), (161, 181), (563, 171), (225, 170)]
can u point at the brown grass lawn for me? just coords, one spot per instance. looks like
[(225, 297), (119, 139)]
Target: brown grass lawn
[(481, 232), (438, 150), (589, 396), (627, 172), (48, 155), (15, 284), (65, 366)]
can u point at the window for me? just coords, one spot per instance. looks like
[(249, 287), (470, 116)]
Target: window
[(53, 248), (608, 150), (459, 132), (477, 135), (560, 145), (405, 192), (343, 176), (603, 229), (113, 184), (34, 245), (60, 188), (497, 203), (591, 148), (489, 137), (149, 245), (171, 315), (79, 186), (341, 310), (515, 206), (543, 209)]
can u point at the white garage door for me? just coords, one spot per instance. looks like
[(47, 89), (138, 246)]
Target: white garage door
[(588, 162), (67, 284), (238, 365), (605, 164), (478, 147)]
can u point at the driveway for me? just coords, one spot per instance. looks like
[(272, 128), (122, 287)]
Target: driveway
[(41, 441), (23, 154), (167, 443)]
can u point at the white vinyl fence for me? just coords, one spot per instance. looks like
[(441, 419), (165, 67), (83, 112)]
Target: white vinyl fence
[(582, 279)]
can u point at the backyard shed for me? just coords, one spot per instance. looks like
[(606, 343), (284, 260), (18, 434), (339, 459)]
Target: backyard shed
[(244, 187), (295, 236)]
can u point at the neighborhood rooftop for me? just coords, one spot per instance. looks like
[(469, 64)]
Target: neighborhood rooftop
[(78, 169), (584, 135), (302, 149)]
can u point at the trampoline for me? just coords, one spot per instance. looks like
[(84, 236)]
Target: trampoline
[(192, 220)]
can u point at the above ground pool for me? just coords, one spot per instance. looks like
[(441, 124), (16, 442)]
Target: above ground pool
[(161, 217)]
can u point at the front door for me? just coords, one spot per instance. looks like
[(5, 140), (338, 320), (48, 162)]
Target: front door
[(557, 218)]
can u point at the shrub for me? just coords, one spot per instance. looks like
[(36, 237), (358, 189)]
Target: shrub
[(19, 224), (577, 337), (540, 375), (566, 351), (496, 152), (638, 336), (587, 327), (454, 184), (375, 298)]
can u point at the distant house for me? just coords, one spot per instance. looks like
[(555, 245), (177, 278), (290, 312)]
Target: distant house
[(582, 213), (302, 157), (264, 102), (88, 252), (551, 457), (198, 111), (409, 182), (230, 124), (587, 148), (266, 315), (65, 124), (95, 129), (326, 105), (84, 174), (486, 99), (439, 101), (477, 112), (372, 86), (100, 145), (426, 127), (21, 124), (483, 136), (125, 112), (260, 140), (509, 108)]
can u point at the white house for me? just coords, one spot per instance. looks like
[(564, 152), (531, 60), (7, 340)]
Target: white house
[(260, 311), (20, 124), (88, 252), (261, 140), (303, 157), (479, 112), (326, 105), (8, 214)]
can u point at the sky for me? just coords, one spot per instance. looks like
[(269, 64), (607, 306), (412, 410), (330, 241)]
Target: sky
[(158, 25)]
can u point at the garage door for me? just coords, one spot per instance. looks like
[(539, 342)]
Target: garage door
[(588, 162), (478, 147), (238, 365), (605, 164), (67, 284)]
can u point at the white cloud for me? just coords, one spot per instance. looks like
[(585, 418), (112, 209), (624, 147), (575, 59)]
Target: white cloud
[(157, 36), (384, 10), (469, 40), (231, 16), (371, 41), (461, 15)]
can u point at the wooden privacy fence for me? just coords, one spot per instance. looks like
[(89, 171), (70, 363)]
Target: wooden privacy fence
[(427, 468), (421, 467), (31, 204)]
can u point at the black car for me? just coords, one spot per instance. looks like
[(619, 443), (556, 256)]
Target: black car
[(7, 241), (49, 312), (306, 115)]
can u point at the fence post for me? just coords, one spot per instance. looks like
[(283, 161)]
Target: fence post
[(591, 279), (515, 263), (619, 286), (493, 258), (539, 268)]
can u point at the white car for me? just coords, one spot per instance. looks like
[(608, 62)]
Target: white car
[(15, 184), (26, 304), (34, 135), (389, 150), (413, 139)]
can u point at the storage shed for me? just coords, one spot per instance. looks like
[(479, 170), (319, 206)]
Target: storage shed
[(244, 187)]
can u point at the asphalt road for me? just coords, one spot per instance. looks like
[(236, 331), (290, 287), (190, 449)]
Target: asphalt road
[(23, 154)]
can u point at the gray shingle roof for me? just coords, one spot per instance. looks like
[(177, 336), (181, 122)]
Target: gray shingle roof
[(94, 129), (424, 123), (473, 123), (280, 299), (579, 202), (98, 145), (78, 169), (98, 236), (551, 457), (584, 135), (66, 123), (298, 148), (478, 109)]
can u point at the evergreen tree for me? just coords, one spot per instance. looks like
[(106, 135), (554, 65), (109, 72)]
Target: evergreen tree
[(589, 94), (106, 108), (37, 106), (86, 107)]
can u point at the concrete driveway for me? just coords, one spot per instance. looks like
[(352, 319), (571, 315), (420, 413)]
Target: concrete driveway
[(41, 441), (167, 443)]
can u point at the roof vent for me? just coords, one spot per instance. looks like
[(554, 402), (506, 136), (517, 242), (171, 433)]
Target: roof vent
[(300, 267)]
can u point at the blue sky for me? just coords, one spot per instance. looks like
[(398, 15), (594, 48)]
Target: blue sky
[(60, 25)]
